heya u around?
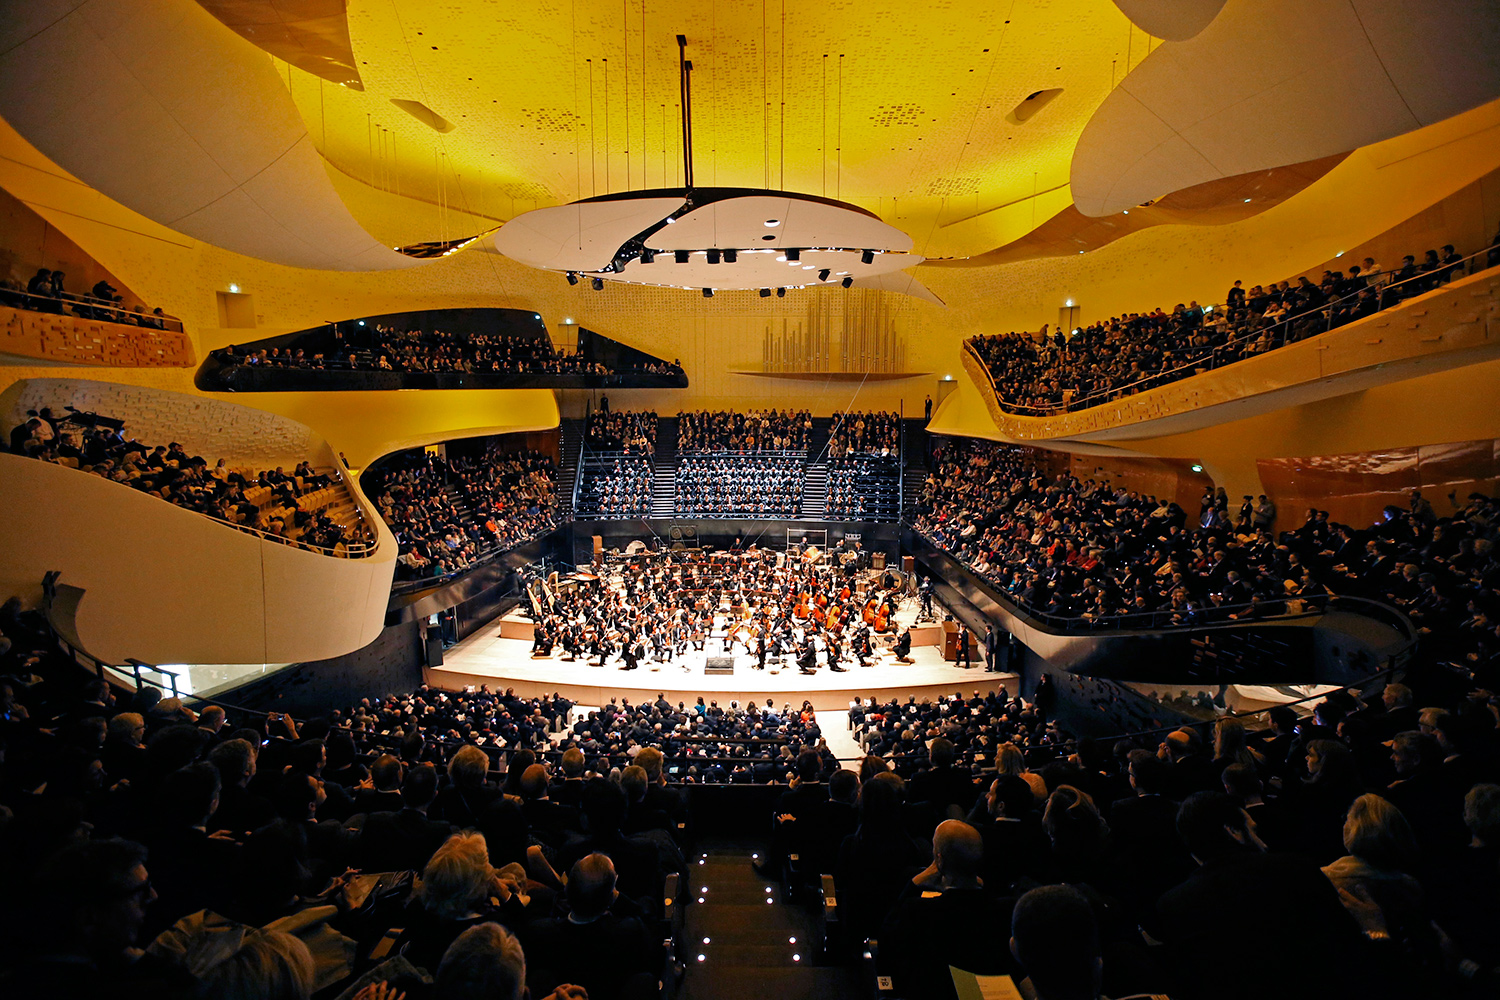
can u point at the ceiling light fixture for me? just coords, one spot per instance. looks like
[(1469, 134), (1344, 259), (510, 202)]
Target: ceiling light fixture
[(781, 293), (598, 284), (847, 282), (823, 274), (572, 277), (708, 293), (765, 293), (613, 235)]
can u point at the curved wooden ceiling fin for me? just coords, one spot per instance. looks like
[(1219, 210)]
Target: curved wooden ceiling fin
[(1212, 203), (312, 35), (1250, 93)]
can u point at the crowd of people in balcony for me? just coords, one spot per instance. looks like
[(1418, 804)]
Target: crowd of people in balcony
[(384, 348), (448, 516), (743, 486), (718, 431), (615, 486), (864, 487), (876, 433), (1056, 371), (47, 291), (631, 432), (1090, 552), (293, 507)]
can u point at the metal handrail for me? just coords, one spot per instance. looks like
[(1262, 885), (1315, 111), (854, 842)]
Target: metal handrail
[(89, 307), (1209, 358)]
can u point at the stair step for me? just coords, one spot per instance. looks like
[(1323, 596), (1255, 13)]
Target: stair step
[(801, 982), (745, 924)]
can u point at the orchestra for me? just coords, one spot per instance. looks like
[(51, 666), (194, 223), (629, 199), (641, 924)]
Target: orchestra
[(771, 605)]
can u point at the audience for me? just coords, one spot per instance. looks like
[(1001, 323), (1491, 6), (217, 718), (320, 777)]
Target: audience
[(622, 431), (1042, 373), (740, 486), (724, 432), (449, 516), (876, 434), (615, 486), (864, 488), (296, 508), (45, 292)]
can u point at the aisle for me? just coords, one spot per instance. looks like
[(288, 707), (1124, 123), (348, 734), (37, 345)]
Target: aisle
[(740, 941)]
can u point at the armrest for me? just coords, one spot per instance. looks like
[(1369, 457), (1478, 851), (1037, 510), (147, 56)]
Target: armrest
[(671, 910), (881, 987), (829, 898)]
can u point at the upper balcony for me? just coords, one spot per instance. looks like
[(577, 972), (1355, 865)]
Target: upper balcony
[(1291, 363), (42, 330), (433, 349), (185, 562)]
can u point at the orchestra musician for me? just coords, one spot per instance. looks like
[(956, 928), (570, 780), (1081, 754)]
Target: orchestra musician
[(902, 648)]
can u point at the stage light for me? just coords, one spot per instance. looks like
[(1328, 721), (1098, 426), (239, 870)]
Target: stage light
[(730, 256), (765, 293), (598, 284), (713, 256), (648, 256), (682, 256), (781, 293), (868, 257), (823, 274), (572, 277), (708, 293), (847, 282), (794, 254)]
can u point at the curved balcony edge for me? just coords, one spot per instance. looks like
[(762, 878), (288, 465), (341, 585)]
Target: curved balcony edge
[(1449, 327), (214, 375)]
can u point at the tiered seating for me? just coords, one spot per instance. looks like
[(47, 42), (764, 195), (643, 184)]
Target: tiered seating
[(739, 486), (1042, 374), (616, 485), (864, 487), (309, 508)]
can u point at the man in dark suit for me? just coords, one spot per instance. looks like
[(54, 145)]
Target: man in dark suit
[(610, 956), (384, 793), (1145, 830), (945, 918), (1295, 937), (991, 649), (1014, 842), (942, 785), (550, 821), (404, 840)]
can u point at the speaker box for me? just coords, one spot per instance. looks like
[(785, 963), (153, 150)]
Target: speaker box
[(434, 648), (719, 665)]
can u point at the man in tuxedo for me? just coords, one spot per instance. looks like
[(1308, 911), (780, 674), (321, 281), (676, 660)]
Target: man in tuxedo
[(404, 840), (902, 649), (991, 645)]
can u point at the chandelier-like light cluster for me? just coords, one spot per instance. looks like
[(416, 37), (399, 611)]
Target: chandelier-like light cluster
[(712, 239)]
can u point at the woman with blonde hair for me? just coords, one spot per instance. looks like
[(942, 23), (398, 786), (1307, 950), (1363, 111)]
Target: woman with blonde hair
[(459, 889), (1375, 879), (1230, 746), (267, 965)]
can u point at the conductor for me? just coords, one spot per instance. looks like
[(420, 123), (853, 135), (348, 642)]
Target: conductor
[(902, 649)]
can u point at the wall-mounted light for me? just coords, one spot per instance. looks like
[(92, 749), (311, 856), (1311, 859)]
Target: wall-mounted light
[(234, 289), (1199, 468), (1069, 303)]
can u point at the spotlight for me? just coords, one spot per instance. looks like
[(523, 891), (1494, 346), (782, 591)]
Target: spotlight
[(868, 257), (708, 293), (598, 284), (572, 277), (823, 274), (648, 256), (713, 256), (794, 254), (682, 256), (730, 256), (781, 293), (765, 293), (847, 282)]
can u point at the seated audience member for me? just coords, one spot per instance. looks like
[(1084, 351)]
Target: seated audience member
[(384, 791), (267, 965), (89, 908), (1287, 931), (404, 840), (485, 962), (944, 918), (1054, 935), (610, 956), (877, 860), (467, 794), (459, 890), (1014, 842)]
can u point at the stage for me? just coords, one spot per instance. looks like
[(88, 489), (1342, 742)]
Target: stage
[(487, 658)]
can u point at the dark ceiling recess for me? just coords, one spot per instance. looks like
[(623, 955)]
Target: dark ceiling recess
[(1032, 104)]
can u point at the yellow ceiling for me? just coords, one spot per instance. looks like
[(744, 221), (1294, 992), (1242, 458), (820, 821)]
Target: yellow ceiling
[(894, 105)]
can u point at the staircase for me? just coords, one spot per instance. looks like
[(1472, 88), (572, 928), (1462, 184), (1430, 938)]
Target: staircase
[(570, 447), (817, 442), (664, 475), (814, 491), (740, 941)]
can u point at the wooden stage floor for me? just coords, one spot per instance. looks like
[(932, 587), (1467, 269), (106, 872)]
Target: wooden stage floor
[(486, 658)]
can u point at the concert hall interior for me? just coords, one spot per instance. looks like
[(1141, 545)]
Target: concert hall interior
[(487, 511)]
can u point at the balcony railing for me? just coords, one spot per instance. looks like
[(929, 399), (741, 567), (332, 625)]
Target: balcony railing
[(88, 307), (1288, 330)]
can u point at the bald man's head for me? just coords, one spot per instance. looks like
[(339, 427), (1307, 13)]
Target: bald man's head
[(591, 886), (958, 849)]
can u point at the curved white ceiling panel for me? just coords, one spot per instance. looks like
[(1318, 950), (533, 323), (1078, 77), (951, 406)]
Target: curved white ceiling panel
[(748, 220), (583, 236), (165, 110), (1172, 20), (1272, 82)]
